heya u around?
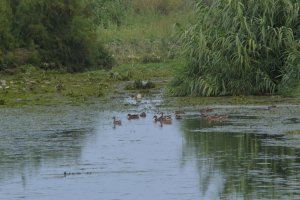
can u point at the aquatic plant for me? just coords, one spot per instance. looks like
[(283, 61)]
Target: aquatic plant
[(241, 47)]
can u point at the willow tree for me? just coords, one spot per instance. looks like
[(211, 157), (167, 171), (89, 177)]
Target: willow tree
[(241, 47)]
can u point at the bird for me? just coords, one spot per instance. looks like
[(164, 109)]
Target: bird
[(132, 116), (143, 114), (163, 119), (156, 119), (116, 122), (177, 116), (166, 120)]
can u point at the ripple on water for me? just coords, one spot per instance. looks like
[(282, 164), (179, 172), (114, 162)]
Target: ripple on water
[(50, 150)]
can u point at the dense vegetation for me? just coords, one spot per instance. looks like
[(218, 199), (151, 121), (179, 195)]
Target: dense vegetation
[(241, 47), (231, 47), (145, 31), (52, 34), (77, 35)]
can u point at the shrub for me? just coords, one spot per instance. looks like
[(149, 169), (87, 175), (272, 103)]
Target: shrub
[(139, 84), (6, 38), (241, 47), (63, 32)]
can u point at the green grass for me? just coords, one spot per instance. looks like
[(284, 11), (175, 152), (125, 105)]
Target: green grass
[(296, 92), (239, 47), (145, 46), (37, 87), (145, 37)]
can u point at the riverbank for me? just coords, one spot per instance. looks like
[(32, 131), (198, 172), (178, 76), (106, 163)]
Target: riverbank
[(33, 86)]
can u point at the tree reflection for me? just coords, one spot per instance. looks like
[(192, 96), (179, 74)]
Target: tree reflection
[(241, 165), (23, 154)]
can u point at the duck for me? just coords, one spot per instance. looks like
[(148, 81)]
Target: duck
[(177, 116), (166, 120), (143, 114), (163, 119), (156, 119), (116, 122), (133, 116)]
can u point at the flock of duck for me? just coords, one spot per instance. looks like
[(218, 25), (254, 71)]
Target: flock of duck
[(167, 119)]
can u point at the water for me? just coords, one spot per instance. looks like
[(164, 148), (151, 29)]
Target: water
[(74, 152)]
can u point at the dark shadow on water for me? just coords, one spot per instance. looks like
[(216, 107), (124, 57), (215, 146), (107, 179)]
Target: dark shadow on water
[(239, 165)]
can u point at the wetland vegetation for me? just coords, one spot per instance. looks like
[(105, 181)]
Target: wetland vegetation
[(183, 42), (226, 71)]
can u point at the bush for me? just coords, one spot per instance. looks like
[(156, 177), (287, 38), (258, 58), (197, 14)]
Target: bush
[(241, 47), (59, 32), (6, 38), (106, 12), (139, 84), (63, 32)]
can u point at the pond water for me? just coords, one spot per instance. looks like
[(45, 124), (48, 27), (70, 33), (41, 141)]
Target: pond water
[(74, 152)]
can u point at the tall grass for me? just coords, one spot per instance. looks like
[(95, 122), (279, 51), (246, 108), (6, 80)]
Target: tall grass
[(241, 47), (147, 34)]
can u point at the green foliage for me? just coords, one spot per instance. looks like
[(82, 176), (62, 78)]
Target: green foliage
[(106, 12), (241, 47), (6, 38), (60, 33), (139, 84)]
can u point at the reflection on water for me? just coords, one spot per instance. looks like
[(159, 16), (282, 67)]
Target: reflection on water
[(57, 153), (240, 166)]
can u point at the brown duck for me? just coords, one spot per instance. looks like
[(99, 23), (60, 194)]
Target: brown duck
[(116, 122), (133, 116), (143, 114)]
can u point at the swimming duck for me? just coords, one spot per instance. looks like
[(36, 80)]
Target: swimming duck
[(143, 114), (156, 119), (165, 119), (116, 122), (133, 116), (177, 116)]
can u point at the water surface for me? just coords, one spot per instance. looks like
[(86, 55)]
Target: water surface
[(74, 152)]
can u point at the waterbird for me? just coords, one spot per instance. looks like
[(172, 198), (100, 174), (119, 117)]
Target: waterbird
[(133, 116), (177, 116), (143, 114), (116, 122), (163, 119)]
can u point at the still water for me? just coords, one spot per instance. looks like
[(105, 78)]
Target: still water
[(74, 152)]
